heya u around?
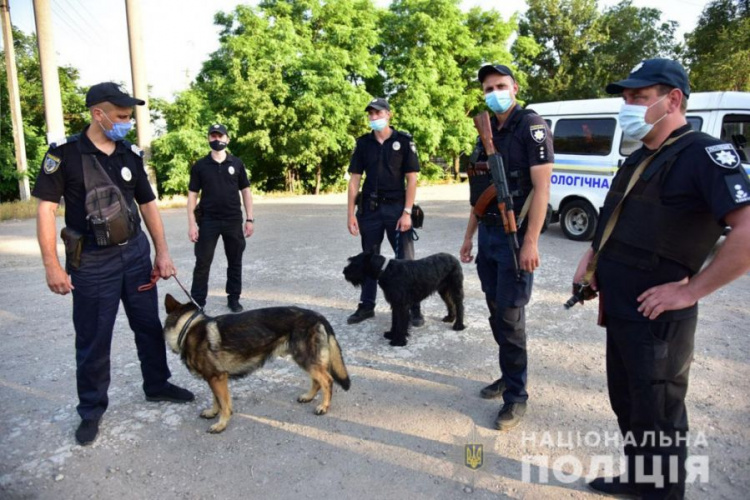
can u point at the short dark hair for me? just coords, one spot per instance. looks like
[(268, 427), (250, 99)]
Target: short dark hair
[(662, 89)]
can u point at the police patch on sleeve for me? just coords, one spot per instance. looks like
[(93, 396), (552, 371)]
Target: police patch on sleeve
[(413, 147), (739, 187), (542, 153), (724, 155), (51, 163), (538, 133)]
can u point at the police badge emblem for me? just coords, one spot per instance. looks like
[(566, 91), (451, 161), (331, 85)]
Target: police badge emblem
[(413, 147), (474, 456), (126, 174), (396, 145), (724, 156), (230, 170), (51, 163), (538, 133)]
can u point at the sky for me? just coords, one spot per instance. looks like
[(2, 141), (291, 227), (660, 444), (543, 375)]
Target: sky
[(178, 35)]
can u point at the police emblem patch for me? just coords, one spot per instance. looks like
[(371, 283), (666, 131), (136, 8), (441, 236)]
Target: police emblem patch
[(413, 146), (738, 187), (126, 174), (636, 67), (538, 133), (51, 163), (724, 155), (474, 457), (230, 170), (396, 145)]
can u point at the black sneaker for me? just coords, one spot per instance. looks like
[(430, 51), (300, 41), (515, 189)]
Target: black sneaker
[(234, 305), (510, 416), (494, 390), (362, 313), (614, 486), (173, 394), (87, 431), (417, 319)]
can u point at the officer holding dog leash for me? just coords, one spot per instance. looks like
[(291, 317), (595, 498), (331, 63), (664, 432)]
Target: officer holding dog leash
[(523, 140), (101, 177), (387, 157)]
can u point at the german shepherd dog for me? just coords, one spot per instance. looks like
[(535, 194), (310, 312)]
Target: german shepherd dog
[(408, 282), (235, 345)]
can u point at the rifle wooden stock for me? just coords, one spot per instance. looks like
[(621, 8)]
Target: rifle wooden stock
[(484, 127)]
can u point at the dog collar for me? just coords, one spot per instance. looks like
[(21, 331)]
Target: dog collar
[(382, 269), (185, 327)]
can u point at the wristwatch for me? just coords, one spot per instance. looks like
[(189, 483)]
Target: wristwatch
[(250, 220), (407, 210)]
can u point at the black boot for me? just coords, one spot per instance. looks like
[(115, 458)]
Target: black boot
[(362, 313), (87, 431), (494, 390)]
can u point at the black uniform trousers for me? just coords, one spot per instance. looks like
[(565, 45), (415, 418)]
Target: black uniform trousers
[(372, 225), (506, 296), (231, 232), (105, 277), (648, 363)]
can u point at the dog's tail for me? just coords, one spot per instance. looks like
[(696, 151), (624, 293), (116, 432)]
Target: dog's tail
[(337, 367)]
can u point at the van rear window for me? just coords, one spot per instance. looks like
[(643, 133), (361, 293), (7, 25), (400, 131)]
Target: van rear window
[(584, 136)]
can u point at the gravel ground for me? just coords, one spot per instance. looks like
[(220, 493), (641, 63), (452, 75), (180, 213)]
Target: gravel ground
[(400, 431)]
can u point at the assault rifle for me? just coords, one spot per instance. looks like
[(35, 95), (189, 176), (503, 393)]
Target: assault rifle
[(500, 183)]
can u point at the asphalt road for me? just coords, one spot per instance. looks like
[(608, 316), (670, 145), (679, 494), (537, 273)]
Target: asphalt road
[(400, 432)]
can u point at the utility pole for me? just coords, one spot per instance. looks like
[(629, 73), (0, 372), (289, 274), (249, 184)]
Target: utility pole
[(15, 101), (53, 111), (140, 84)]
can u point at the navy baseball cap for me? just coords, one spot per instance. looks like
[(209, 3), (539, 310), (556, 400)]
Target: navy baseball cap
[(378, 104), (653, 72), (111, 92), (217, 127), (494, 68)]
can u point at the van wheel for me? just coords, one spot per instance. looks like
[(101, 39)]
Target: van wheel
[(578, 220)]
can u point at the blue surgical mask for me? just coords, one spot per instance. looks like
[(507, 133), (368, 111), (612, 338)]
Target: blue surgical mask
[(378, 124), (118, 131), (633, 120), (499, 101)]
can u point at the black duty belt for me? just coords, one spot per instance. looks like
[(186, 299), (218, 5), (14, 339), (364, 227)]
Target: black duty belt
[(89, 241), (387, 199), (490, 220)]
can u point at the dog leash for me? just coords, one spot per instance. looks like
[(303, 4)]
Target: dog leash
[(156, 277), (411, 233)]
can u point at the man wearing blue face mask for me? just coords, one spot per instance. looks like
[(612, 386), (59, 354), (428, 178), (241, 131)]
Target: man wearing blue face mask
[(524, 141), (388, 158), (667, 206), (107, 253)]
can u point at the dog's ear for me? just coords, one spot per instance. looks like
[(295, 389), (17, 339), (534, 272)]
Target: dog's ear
[(170, 304)]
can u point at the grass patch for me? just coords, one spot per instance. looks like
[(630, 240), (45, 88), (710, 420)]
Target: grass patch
[(21, 210)]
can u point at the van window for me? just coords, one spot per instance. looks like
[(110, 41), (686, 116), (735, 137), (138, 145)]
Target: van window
[(628, 145), (584, 136), (735, 129)]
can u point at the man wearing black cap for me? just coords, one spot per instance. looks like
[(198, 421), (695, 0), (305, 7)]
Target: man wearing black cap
[(388, 157), (102, 271), (218, 177), (653, 237), (524, 141)]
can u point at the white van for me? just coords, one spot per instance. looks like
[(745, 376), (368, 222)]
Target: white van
[(590, 146)]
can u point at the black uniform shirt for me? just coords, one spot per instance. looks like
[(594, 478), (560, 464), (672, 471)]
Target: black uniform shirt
[(524, 141), (62, 176), (698, 181), (219, 184), (385, 165)]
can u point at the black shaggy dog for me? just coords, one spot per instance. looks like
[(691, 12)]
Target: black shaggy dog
[(407, 282)]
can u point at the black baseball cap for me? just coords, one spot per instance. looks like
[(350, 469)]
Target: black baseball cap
[(494, 68), (653, 72), (111, 92), (379, 104), (217, 127)]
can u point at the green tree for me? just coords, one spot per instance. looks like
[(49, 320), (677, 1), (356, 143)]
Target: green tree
[(32, 109), (718, 50)]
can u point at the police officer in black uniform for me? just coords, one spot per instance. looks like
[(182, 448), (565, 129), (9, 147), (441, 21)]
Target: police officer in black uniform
[(525, 143), (649, 270), (387, 157), (218, 177), (103, 274)]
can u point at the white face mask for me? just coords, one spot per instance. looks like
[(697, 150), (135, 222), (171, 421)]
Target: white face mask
[(633, 120)]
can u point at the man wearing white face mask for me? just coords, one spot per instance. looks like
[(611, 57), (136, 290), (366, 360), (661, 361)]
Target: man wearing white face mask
[(667, 206), (105, 266), (523, 140), (388, 158)]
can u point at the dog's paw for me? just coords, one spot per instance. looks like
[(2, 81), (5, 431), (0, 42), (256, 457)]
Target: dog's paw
[(388, 335), (449, 319), (209, 413), (459, 326), (321, 410), (398, 342), (217, 427), (305, 398)]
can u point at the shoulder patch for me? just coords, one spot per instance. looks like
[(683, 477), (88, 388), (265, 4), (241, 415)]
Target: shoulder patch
[(413, 146), (138, 151), (724, 156), (51, 163), (538, 133), (738, 187)]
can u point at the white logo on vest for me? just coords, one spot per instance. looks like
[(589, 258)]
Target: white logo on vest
[(230, 170), (126, 174)]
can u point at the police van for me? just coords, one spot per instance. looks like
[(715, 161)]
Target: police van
[(590, 146)]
